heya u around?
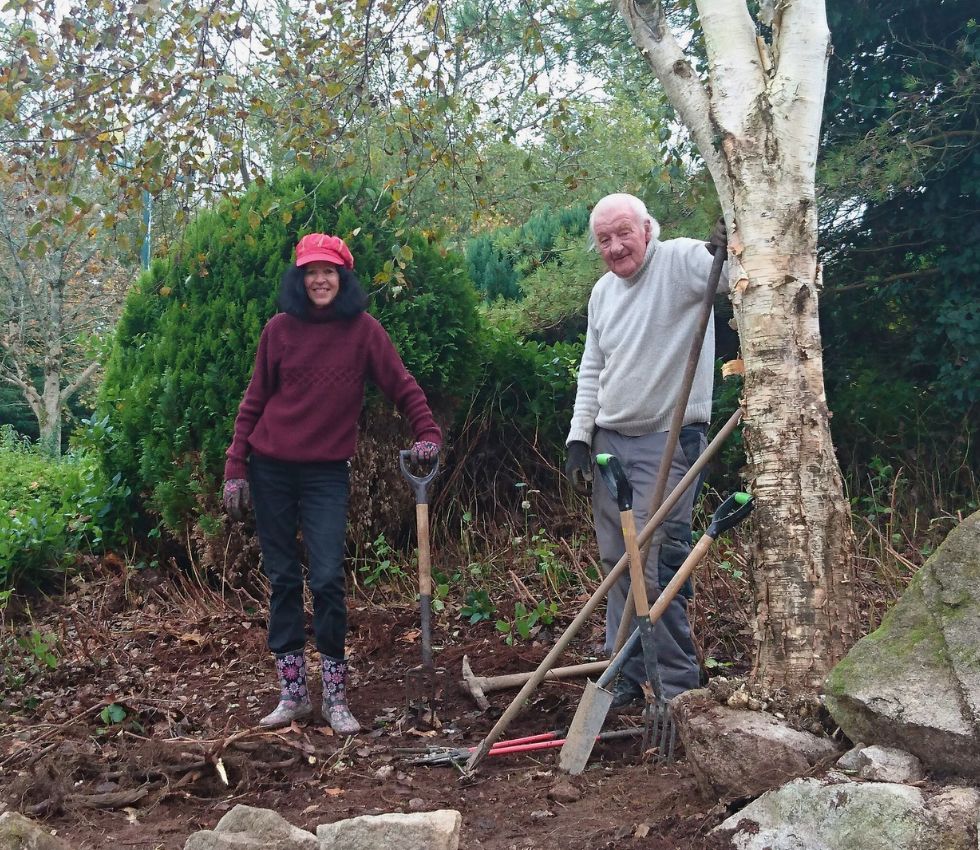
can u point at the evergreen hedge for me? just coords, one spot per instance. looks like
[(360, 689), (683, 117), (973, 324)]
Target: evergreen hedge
[(186, 341)]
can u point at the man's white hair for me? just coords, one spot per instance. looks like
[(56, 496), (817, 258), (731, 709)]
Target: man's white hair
[(621, 200)]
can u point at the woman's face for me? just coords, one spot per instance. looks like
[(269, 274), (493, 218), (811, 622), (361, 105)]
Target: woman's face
[(322, 282)]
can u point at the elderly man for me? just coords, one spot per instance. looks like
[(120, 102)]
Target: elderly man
[(643, 314)]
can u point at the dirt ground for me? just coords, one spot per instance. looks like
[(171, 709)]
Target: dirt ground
[(142, 730)]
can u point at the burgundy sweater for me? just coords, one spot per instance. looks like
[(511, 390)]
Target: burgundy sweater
[(307, 390)]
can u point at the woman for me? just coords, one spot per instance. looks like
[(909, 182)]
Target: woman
[(295, 432)]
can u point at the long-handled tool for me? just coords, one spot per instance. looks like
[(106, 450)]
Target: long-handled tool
[(479, 686), (440, 756), (659, 724), (548, 662), (592, 710), (677, 420), (420, 682)]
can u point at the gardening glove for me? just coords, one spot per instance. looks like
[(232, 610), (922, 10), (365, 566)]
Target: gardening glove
[(718, 238), (424, 452), (578, 466), (237, 498)]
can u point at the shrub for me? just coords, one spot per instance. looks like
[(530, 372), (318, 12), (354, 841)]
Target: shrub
[(52, 510), (517, 421), (499, 261), (186, 341)]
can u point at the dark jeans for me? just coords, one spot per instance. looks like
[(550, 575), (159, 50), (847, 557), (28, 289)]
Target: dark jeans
[(313, 496)]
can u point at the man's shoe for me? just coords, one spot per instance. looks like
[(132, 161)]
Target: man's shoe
[(626, 694)]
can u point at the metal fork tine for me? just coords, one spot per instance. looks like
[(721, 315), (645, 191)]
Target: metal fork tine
[(665, 752)]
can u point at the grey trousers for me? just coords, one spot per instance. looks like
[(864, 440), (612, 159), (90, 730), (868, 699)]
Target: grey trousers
[(671, 543)]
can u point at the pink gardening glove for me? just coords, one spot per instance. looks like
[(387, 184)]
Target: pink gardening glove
[(424, 452), (237, 498)]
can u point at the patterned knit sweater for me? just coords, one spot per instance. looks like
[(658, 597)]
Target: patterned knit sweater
[(637, 343), (307, 389)]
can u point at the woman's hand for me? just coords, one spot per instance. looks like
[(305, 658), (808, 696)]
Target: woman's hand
[(424, 452), (237, 498)]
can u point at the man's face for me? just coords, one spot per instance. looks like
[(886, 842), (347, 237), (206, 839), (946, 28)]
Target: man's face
[(622, 239)]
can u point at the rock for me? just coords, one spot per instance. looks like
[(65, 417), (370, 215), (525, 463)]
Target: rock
[(20, 833), (888, 764), (249, 828), (735, 753), (416, 804), (810, 814), (851, 760), (915, 682), (564, 792), (438, 830)]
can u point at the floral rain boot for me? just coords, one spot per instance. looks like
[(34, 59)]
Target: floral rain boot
[(294, 697), (334, 708)]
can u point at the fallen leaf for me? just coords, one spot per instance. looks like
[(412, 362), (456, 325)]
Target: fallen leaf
[(642, 831), (193, 637), (326, 731)]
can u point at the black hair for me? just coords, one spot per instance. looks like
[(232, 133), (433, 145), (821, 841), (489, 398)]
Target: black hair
[(350, 299)]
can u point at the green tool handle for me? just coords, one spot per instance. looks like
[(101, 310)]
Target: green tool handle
[(613, 474)]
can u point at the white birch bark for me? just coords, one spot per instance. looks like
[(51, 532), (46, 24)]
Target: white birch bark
[(756, 121)]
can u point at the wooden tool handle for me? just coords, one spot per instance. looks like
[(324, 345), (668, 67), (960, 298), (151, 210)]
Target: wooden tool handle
[(682, 575), (425, 564), (638, 582)]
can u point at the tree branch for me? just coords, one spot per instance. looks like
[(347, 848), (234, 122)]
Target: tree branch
[(802, 49), (77, 384), (882, 281), (734, 63), (646, 21)]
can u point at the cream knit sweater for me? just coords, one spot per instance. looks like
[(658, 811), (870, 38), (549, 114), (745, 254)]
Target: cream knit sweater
[(638, 340)]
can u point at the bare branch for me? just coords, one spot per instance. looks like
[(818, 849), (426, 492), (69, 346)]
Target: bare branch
[(646, 21)]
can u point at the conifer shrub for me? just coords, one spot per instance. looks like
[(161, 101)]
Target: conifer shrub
[(185, 344), (500, 261)]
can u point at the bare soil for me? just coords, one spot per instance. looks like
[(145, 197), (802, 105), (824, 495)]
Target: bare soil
[(192, 675)]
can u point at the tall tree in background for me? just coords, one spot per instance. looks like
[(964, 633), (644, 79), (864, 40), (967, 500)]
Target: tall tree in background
[(755, 118), (58, 294)]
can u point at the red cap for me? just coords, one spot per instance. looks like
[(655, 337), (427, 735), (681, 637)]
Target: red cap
[(320, 246)]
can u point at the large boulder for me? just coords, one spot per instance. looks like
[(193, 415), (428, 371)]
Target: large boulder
[(736, 753), (20, 833), (830, 814), (915, 682)]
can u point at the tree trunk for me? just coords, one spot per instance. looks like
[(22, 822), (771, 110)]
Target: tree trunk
[(803, 545), (49, 423), (764, 106)]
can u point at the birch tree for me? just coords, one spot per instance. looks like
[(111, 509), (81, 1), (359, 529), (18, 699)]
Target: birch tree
[(755, 116)]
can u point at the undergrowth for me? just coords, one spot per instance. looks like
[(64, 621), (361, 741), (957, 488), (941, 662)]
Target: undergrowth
[(52, 510)]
